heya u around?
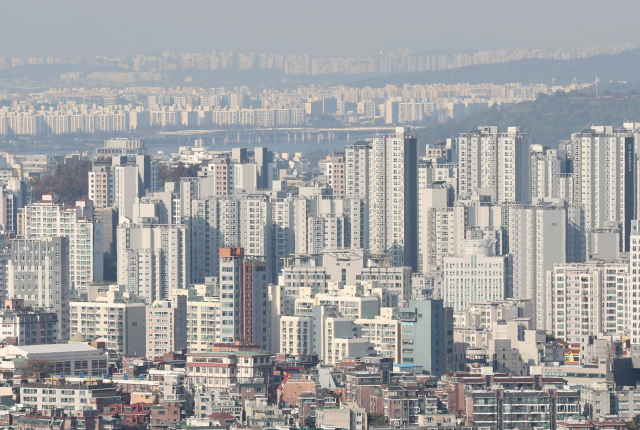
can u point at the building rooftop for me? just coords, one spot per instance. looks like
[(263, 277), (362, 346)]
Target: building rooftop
[(55, 348)]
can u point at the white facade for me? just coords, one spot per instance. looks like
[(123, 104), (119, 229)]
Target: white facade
[(153, 259), (588, 299), (357, 170), (49, 218), (166, 326), (203, 324), (634, 289), (496, 162), (605, 169), (296, 335), (537, 241), (548, 172), (478, 275), (120, 323), (393, 207)]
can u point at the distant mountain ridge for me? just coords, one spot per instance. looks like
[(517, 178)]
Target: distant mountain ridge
[(617, 67)]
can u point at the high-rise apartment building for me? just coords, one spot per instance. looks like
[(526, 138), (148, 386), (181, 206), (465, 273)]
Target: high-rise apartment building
[(243, 298), (634, 288), (427, 334), (203, 323), (50, 217), (537, 240), (357, 170), (549, 173), (14, 195), (496, 163), (133, 177), (153, 259), (392, 190), (101, 187), (38, 274), (588, 299), (438, 226), (334, 170), (604, 176)]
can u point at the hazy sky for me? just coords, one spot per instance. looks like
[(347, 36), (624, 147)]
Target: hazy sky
[(327, 27)]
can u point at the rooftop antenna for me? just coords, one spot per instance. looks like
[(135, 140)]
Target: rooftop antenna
[(596, 82), (575, 81), (554, 81)]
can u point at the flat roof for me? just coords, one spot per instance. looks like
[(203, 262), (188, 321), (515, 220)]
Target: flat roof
[(56, 347)]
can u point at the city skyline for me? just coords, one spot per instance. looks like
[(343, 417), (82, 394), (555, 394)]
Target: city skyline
[(361, 215)]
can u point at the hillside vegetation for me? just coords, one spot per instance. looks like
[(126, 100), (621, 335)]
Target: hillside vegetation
[(547, 119), (70, 182)]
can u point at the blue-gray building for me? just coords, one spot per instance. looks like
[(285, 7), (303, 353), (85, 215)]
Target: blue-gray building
[(427, 332)]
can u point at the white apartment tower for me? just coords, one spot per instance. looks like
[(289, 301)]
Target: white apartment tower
[(153, 259), (438, 226), (114, 317), (605, 169), (536, 242), (166, 326), (49, 217), (101, 185), (588, 299), (357, 170), (496, 163), (548, 174), (393, 188), (335, 173)]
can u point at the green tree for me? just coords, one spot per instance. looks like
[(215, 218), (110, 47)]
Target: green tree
[(169, 174), (376, 419), (70, 182), (35, 365), (634, 423), (310, 422)]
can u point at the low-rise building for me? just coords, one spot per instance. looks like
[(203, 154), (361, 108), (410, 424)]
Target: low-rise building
[(226, 369), (58, 394), (347, 416), (66, 358), (117, 319)]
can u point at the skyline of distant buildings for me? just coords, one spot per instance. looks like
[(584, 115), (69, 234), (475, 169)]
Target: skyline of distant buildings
[(63, 111), (399, 60)]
